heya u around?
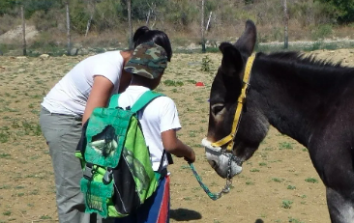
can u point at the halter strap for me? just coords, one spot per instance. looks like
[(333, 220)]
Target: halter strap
[(229, 139)]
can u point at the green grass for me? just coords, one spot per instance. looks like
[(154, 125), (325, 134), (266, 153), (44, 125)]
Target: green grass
[(285, 145), (4, 155), (249, 183), (294, 220), (291, 187), (45, 217), (311, 180), (7, 213), (286, 204)]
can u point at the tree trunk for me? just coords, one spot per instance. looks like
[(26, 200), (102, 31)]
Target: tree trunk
[(23, 31), (202, 27), (91, 8), (208, 23), (286, 20), (68, 36), (129, 5)]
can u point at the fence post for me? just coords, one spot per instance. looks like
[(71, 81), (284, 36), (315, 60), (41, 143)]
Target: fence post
[(129, 5), (202, 27), (286, 20), (68, 36), (24, 51)]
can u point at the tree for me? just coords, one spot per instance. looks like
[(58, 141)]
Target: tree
[(286, 20), (23, 31), (91, 8), (344, 9), (5, 5), (130, 24), (68, 36), (202, 26)]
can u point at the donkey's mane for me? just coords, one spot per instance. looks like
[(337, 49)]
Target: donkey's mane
[(320, 73), (301, 58)]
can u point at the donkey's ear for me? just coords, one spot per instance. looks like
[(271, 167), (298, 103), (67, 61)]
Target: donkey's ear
[(232, 62), (248, 39)]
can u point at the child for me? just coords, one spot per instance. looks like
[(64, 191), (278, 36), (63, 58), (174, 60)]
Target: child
[(159, 122)]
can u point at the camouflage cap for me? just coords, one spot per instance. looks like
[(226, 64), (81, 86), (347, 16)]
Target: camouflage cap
[(148, 60)]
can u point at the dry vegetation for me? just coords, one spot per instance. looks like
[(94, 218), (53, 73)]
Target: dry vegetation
[(180, 19)]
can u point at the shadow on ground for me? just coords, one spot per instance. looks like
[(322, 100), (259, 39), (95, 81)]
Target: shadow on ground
[(182, 214)]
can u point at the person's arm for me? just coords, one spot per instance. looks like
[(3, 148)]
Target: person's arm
[(99, 95), (176, 146)]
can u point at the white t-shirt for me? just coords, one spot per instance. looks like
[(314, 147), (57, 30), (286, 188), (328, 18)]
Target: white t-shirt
[(70, 94), (158, 116)]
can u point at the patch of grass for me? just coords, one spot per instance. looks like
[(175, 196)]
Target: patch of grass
[(173, 83), (249, 183), (254, 170), (5, 155), (294, 220), (44, 217), (285, 145), (7, 213), (4, 137), (311, 180), (277, 180), (187, 198), (5, 187), (291, 187), (31, 128), (286, 204), (191, 81)]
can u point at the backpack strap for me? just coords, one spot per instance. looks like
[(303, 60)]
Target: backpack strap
[(144, 100), (113, 102)]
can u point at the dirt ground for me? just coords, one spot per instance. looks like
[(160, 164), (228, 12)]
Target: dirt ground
[(278, 184)]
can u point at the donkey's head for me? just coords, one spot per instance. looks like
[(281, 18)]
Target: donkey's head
[(224, 96)]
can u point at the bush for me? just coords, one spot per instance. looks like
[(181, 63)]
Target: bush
[(322, 31)]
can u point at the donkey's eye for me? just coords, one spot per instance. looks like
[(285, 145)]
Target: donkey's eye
[(217, 108)]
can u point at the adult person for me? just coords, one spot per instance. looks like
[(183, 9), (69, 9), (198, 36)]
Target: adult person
[(70, 103)]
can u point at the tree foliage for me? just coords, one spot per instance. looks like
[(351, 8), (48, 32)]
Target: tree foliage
[(343, 9)]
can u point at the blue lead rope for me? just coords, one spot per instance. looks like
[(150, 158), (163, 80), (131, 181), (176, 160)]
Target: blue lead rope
[(213, 196)]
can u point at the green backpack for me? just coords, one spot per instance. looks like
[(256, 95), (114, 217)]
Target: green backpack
[(118, 175)]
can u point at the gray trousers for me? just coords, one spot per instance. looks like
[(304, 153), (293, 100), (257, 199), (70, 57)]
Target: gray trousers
[(62, 134)]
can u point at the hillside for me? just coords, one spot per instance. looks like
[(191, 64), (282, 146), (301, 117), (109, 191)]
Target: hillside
[(310, 20)]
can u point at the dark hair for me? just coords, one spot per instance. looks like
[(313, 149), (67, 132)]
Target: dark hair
[(144, 34)]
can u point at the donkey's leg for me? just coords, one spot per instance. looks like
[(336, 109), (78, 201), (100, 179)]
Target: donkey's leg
[(341, 210)]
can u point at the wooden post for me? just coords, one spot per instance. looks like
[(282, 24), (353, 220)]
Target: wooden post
[(202, 27), (23, 31), (129, 5), (286, 21), (68, 36)]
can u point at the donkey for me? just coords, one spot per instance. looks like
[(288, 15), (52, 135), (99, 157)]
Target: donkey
[(309, 100)]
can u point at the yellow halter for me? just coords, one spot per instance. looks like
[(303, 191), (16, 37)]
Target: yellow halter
[(229, 139)]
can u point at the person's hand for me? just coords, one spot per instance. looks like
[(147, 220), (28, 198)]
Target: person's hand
[(191, 157)]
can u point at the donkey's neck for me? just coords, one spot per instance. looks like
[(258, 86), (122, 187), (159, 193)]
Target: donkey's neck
[(294, 96)]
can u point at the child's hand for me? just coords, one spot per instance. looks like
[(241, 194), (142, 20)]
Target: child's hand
[(190, 158)]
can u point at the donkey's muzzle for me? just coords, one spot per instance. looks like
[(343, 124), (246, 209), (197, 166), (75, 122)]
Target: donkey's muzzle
[(221, 161)]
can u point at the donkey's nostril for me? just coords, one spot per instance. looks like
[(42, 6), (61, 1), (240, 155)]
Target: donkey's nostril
[(212, 163)]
